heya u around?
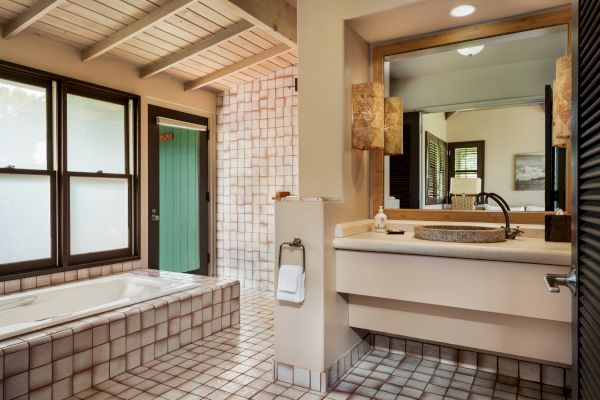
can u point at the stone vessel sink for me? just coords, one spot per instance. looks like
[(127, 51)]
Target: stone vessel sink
[(460, 234)]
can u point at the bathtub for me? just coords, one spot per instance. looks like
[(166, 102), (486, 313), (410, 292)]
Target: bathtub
[(40, 308)]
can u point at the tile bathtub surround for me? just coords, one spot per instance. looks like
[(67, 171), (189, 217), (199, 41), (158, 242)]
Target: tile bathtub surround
[(69, 358), (34, 282), (256, 156)]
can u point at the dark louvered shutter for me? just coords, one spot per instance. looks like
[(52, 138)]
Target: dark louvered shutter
[(587, 146), (436, 169)]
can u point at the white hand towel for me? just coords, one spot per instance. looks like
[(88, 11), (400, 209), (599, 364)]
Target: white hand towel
[(290, 286)]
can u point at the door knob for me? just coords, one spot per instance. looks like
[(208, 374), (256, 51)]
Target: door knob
[(154, 217), (555, 281)]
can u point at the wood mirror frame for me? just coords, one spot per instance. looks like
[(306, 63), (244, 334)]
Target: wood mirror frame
[(453, 36)]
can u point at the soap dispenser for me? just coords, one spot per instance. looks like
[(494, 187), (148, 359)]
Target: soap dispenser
[(381, 221)]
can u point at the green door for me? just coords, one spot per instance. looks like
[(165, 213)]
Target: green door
[(179, 199)]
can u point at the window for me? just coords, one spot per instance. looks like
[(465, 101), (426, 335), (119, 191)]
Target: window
[(27, 174), (467, 159), (436, 167), (85, 211), (98, 175)]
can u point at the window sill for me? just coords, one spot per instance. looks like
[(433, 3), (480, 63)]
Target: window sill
[(54, 270)]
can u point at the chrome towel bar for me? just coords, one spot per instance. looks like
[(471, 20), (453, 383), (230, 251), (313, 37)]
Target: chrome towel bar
[(296, 243)]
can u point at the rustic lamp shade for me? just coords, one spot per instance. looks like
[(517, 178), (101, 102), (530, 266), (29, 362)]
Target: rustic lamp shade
[(367, 116), (393, 122), (561, 102)]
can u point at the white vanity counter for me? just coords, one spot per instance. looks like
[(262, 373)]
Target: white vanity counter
[(489, 296), (522, 249)]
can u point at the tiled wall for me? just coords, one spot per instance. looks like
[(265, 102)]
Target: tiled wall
[(257, 155), (17, 285)]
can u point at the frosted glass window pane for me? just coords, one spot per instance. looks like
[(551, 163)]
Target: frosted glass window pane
[(95, 135), (25, 226), (23, 127), (99, 214)]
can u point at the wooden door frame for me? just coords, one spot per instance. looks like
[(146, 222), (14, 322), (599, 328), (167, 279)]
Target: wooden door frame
[(204, 211), (463, 34)]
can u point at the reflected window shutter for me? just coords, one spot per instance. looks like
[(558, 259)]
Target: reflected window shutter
[(437, 169)]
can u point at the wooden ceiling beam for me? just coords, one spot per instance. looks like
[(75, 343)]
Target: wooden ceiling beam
[(276, 17), (147, 21), (27, 18), (233, 68), (190, 51)]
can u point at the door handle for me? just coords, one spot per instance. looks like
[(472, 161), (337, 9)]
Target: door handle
[(154, 217), (555, 281)]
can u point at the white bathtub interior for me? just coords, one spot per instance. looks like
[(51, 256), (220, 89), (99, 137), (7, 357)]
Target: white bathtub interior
[(40, 308)]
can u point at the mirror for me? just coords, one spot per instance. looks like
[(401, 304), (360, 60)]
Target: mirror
[(478, 117)]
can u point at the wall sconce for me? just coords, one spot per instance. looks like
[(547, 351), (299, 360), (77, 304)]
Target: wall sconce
[(561, 102), (393, 124), (367, 116)]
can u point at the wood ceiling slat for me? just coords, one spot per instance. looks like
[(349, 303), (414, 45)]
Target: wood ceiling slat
[(226, 54), (262, 70), (265, 36), (92, 16), (52, 32), (289, 58), (23, 3), (281, 63), (221, 16), (252, 37), (130, 57), (269, 65), (73, 23), (208, 59), (180, 70), (155, 51), (7, 14), (233, 48), (103, 14), (215, 56), (146, 40), (201, 69), (124, 7), (71, 26), (185, 24), (146, 5), (246, 44), (167, 38), (14, 7), (202, 21)]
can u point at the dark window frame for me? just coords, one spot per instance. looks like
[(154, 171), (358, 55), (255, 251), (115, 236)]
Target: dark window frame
[(61, 261), (480, 145), (47, 84)]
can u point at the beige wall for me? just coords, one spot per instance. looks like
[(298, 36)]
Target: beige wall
[(323, 72), (435, 123), (506, 131), (331, 58), (36, 52)]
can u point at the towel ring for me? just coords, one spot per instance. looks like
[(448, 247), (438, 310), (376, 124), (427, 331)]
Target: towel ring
[(296, 243)]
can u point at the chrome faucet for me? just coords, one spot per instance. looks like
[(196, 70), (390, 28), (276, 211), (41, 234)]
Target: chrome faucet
[(510, 233)]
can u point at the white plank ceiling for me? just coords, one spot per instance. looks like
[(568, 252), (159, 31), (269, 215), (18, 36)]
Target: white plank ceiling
[(187, 39)]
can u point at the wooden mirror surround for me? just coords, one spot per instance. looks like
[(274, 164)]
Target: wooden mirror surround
[(458, 35)]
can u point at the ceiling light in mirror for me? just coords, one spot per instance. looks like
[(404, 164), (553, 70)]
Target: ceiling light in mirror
[(462, 10), (470, 51)]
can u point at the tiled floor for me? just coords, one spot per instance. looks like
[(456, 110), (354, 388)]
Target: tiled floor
[(388, 376), (236, 364)]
